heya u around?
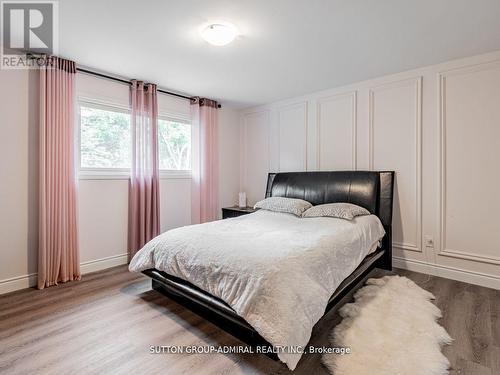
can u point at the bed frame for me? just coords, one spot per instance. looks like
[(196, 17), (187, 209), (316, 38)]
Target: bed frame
[(369, 189)]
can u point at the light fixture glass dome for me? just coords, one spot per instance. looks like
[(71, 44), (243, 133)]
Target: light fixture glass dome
[(219, 34)]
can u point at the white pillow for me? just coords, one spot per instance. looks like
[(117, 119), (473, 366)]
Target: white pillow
[(281, 204), (346, 211)]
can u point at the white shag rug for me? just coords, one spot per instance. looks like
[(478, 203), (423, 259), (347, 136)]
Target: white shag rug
[(391, 328)]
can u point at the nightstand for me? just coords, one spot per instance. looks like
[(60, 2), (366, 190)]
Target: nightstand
[(235, 211)]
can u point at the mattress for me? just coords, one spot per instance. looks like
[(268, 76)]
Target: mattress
[(275, 270)]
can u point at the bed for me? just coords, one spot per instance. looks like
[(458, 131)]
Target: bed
[(268, 277)]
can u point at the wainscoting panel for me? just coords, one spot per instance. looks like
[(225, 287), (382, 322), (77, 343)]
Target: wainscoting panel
[(470, 154), (336, 134), (292, 122), (438, 127), (395, 116), (256, 154)]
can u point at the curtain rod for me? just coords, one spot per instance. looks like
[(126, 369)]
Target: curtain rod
[(102, 75), (127, 82)]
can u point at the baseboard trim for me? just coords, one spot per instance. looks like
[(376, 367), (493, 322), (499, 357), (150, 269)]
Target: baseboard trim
[(471, 277), (17, 283), (489, 281), (28, 281), (103, 263)]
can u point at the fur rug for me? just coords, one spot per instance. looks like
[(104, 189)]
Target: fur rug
[(390, 329)]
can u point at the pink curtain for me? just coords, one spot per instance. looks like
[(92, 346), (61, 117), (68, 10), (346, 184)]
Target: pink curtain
[(58, 253), (144, 199), (205, 161)]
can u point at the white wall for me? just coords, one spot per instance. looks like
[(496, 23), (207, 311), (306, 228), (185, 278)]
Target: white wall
[(103, 202), (438, 127), (229, 157), (18, 176)]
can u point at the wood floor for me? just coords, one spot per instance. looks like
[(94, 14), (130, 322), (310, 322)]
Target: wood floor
[(106, 324)]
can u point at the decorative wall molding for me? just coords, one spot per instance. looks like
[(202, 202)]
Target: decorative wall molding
[(469, 256), (472, 277), (407, 246), (442, 250), (244, 160), (256, 153), (303, 105), (421, 163), (354, 105), (416, 82)]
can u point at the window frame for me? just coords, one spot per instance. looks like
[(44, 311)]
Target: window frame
[(121, 173), (85, 173), (177, 173)]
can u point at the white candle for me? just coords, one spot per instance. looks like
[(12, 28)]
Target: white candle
[(242, 199)]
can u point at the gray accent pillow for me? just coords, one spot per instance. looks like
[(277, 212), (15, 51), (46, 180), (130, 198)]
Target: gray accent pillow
[(346, 211), (281, 204)]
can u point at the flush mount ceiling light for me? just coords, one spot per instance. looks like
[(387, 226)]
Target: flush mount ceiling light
[(219, 33)]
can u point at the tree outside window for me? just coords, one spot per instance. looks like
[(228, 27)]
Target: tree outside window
[(174, 140)]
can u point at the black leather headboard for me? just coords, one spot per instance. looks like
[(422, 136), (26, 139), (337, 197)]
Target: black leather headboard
[(369, 189)]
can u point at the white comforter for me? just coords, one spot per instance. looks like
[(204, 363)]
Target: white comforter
[(275, 270)]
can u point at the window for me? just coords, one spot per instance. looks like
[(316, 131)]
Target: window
[(104, 138), (106, 145), (174, 141)]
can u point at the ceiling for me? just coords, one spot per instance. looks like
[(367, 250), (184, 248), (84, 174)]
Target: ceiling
[(286, 47)]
